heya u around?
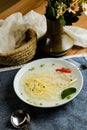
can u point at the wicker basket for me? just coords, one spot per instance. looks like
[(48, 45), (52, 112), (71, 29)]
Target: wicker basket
[(23, 54)]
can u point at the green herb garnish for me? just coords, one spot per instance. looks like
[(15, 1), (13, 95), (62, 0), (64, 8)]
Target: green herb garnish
[(68, 92), (41, 104), (42, 65), (32, 69), (53, 64), (21, 93)]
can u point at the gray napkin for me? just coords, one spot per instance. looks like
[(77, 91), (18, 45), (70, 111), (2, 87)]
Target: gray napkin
[(71, 116)]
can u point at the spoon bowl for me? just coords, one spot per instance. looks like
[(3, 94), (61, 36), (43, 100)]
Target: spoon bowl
[(20, 119)]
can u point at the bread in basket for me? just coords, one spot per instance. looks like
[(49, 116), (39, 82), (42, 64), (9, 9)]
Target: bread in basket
[(22, 54)]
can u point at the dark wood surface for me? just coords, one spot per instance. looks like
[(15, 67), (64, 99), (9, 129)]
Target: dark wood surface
[(5, 4)]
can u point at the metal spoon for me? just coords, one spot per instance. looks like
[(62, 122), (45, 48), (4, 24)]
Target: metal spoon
[(20, 119)]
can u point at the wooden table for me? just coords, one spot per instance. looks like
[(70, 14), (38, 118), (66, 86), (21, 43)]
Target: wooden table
[(25, 6)]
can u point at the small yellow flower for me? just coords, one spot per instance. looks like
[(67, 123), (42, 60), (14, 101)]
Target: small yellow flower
[(84, 7), (74, 6), (61, 9), (67, 11)]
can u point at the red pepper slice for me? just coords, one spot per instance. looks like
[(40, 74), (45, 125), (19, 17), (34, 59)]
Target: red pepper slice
[(64, 70)]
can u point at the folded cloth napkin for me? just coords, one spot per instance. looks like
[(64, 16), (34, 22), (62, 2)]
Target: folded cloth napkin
[(13, 28)]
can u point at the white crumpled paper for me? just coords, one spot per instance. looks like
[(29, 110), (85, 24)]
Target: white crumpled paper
[(78, 34), (13, 28)]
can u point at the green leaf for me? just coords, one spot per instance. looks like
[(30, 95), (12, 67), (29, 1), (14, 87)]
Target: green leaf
[(50, 13), (62, 20), (67, 92)]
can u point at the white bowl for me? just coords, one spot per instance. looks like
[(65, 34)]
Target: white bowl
[(48, 64)]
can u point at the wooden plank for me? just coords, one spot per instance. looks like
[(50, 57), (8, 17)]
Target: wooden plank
[(24, 6), (5, 4)]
